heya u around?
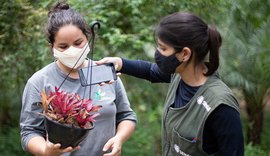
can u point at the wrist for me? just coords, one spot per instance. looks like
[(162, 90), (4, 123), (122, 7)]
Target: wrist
[(119, 138), (121, 64)]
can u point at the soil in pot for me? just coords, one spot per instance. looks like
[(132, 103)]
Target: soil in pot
[(66, 135)]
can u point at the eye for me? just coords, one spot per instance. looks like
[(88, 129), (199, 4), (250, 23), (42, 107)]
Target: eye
[(160, 48), (78, 43), (63, 47)]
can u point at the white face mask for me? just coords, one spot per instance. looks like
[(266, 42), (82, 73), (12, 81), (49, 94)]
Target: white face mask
[(70, 56)]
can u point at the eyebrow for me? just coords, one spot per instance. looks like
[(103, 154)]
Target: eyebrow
[(79, 39), (60, 44), (160, 44)]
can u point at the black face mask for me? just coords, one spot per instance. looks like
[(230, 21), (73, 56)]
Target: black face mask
[(167, 64)]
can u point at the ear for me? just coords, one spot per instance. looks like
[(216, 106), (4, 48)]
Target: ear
[(184, 55)]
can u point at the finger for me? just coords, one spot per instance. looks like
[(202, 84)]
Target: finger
[(118, 74), (102, 83), (108, 154), (68, 149), (116, 67), (50, 145), (113, 153), (75, 148), (102, 61), (56, 146), (116, 150), (107, 146), (111, 81)]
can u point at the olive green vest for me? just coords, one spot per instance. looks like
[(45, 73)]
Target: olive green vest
[(183, 127)]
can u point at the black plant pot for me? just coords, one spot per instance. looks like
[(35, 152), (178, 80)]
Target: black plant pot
[(66, 135)]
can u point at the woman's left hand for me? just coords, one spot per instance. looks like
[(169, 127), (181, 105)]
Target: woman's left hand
[(114, 145)]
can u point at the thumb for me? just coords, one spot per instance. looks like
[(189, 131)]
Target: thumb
[(102, 61), (107, 145)]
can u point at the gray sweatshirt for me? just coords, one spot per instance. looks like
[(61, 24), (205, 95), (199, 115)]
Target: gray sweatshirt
[(113, 98)]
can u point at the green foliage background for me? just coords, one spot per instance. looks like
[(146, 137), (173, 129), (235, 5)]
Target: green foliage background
[(126, 31)]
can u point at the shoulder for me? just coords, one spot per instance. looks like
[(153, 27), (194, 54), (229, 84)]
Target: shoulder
[(219, 93), (218, 86), (224, 112), (42, 74)]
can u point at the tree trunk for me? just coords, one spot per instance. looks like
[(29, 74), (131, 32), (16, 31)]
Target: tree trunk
[(255, 124)]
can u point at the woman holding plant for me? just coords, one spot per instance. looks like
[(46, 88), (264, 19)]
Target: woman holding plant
[(68, 36)]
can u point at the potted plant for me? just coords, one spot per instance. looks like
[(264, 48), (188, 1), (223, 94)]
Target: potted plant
[(68, 118)]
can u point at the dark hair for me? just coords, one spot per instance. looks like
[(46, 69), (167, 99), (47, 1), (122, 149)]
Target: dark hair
[(183, 29), (60, 15)]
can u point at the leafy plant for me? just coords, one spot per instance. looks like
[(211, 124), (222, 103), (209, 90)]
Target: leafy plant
[(69, 108), (246, 61)]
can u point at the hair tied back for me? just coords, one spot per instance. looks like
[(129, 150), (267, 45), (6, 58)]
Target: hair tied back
[(214, 36), (58, 7)]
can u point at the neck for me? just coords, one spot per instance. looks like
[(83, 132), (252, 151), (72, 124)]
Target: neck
[(74, 73), (193, 75)]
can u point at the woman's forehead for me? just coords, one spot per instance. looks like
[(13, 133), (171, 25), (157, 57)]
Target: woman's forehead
[(68, 33), (161, 43)]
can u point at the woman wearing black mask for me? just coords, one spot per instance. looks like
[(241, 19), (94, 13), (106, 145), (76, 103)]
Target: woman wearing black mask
[(201, 114)]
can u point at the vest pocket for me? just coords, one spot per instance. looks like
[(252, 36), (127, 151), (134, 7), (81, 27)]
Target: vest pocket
[(182, 146)]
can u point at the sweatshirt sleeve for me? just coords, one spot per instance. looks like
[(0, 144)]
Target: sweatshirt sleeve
[(31, 122), (124, 111)]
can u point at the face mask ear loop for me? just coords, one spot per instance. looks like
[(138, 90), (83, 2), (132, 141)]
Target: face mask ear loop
[(72, 67), (90, 66)]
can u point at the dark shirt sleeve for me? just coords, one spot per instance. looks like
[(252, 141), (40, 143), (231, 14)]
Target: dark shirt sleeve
[(223, 132), (144, 70)]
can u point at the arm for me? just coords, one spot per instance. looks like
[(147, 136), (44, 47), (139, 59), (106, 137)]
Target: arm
[(31, 123), (224, 132), (145, 70), (125, 121), (33, 133), (36, 145), (138, 68), (124, 131)]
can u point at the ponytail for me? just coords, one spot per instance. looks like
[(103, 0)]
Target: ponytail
[(214, 44)]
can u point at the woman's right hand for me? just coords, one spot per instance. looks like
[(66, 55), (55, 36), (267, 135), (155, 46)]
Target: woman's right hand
[(117, 61), (42, 147), (55, 149)]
